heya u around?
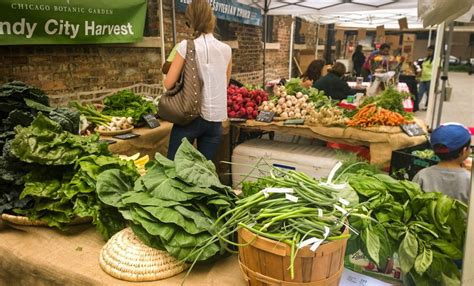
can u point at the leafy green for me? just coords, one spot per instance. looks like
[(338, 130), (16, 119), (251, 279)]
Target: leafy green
[(174, 206), (45, 142), (426, 229), (127, 104)]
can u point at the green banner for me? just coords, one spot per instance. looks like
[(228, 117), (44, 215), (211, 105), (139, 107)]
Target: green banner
[(28, 22)]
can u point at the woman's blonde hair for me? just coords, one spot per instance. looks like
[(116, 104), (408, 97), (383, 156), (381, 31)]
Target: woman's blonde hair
[(200, 17)]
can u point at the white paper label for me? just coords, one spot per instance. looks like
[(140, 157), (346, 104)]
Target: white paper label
[(307, 242), (278, 190), (291, 198), (320, 212), (315, 245), (343, 211), (344, 202), (333, 171)]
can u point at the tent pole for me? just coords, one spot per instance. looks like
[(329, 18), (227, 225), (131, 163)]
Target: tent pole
[(317, 42), (429, 37), (467, 276), (162, 34), (173, 21), (265, 28), (292, 40), (434, 75), (444, 77)]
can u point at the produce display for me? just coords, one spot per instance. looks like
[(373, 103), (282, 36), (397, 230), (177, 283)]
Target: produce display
[(294, 101), (103, 123), (62, 172), (426, 230), (242, 102), (426, 154), (19, 105), (385, 109), (174, 206), (290, 207), (372, 115), (127, 104), (327, 116)]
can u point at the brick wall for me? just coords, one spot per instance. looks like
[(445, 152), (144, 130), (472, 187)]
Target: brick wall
[(68, 69)]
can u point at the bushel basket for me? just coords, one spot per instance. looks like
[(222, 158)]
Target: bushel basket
[(266, 262)]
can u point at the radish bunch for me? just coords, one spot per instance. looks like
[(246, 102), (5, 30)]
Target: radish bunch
[(243, 103), (288, 106)]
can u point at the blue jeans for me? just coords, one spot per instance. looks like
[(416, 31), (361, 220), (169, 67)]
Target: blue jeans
[(423, 87), (207, 134)]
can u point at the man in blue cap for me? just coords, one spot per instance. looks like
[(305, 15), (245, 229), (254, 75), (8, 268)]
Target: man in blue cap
[(451, 143)]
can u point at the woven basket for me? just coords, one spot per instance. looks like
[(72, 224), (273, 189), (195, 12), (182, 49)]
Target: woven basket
[(23, 220), (97, 96), (125, 257)]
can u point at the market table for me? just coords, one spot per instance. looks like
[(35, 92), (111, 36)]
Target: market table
[(44, 256), (155, 140), (381, 140)]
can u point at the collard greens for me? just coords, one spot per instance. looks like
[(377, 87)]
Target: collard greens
[(174, 206)]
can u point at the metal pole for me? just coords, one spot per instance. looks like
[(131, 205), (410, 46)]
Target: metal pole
[(317, 42), (429, 37), (265, 27), (467, 276), (173, 20), (444, 77), (434, 75), (292, 40), (162, 34)]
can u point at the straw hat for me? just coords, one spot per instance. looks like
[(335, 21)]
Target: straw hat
[(125, 257)]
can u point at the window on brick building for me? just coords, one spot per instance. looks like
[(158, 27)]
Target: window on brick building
[(225, 31), (269, 35), (299, 36)]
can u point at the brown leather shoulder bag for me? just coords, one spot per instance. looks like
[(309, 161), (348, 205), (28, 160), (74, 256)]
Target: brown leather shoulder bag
[(182, 104)]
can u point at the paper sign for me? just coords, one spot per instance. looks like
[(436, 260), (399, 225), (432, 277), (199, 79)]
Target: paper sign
[(412, 129), (151, 121), (265, 116)]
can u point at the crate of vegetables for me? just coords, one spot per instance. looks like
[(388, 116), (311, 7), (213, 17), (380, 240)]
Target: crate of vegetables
[(243, 102), (407, 162)]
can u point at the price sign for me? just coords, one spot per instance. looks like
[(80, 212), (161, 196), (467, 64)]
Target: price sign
[(151, 121), (265, 116), (126, 136), (412, 129), (294, 122)]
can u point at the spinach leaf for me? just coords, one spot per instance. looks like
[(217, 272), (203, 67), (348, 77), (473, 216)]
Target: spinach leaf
[(371, 244), (408, 252), (111, 184), (423, 260)]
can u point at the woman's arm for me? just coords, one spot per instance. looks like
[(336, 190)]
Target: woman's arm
[(229, 70), (174, 72)]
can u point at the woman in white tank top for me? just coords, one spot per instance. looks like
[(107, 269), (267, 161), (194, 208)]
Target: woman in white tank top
[(215, 65)]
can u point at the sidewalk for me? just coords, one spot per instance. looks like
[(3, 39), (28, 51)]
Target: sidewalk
[(461, 106)]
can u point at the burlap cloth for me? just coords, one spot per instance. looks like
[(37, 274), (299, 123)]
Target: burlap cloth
[(44, 256), (381, 140)]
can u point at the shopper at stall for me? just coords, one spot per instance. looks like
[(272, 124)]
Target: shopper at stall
[(358, 60), (333, 84), (425, 77), (312, 73), (451, 143), (376, 60), (214, 65)]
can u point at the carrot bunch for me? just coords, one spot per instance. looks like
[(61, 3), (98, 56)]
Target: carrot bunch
[(371, 115)]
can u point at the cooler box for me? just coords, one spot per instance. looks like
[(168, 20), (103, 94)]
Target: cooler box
[(315, 161)]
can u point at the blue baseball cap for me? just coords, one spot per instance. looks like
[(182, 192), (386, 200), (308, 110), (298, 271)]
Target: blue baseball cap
[(449, 137)]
